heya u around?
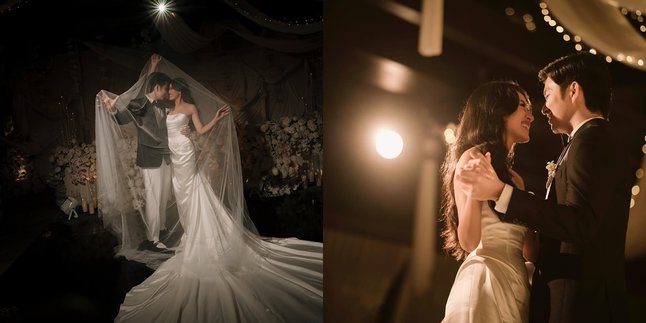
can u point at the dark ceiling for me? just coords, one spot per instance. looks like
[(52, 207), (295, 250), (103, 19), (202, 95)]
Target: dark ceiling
[(47, 25), (480, 43)]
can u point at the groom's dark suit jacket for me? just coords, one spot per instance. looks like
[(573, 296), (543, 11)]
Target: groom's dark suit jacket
[(583, 231), (152, 135)]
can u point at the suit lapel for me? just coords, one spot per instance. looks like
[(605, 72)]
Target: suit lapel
[(558, 176)]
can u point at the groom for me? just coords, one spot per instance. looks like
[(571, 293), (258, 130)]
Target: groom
[(153, 155), (582, 223)]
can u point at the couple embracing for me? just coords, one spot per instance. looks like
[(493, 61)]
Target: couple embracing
[(212, 265), (571, 241)]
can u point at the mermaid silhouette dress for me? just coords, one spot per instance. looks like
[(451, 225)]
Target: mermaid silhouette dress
[(221, 272)]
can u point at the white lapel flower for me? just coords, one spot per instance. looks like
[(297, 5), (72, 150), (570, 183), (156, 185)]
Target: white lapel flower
[(551, 172)]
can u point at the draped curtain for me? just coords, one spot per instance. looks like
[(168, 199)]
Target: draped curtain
[(602, 26)]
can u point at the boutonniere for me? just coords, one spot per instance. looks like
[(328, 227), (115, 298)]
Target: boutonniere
[(551, 172), (551, 168)]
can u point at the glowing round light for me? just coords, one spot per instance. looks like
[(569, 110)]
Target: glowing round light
[(624, 11), (162, 7), (593, 51), (644, 149), (559, 29), (629, 59), (638, 12), (389, 143), (530, 26), (449, 135), (510, 11), (566, 37), (528, 18), (545, 12), (577, 38), (547, 18), (578, 47), (635, 190), (640, 62), (632, 203), (608, 59), (543, 5), (639, 173), (552, 23), (642, 28)]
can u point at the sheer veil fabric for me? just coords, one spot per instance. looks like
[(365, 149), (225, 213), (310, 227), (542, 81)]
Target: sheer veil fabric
[(221, 269)]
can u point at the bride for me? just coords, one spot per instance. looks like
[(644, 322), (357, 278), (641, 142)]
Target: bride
[(492, 284), (221, 270)]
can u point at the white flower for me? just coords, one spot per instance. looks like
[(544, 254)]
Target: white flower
[(551, 172), (551, 168)]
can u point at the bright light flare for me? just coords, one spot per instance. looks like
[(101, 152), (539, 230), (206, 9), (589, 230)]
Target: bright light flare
[(389, 143), (161, 7)]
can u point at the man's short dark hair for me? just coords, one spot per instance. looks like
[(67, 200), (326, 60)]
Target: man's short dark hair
[(590, 72)]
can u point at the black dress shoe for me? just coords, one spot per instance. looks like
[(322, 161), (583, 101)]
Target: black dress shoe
[(145, 245), (160, 247)]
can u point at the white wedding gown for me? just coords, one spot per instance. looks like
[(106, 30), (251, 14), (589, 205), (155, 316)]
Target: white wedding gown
[(221, 272), (492, 283)]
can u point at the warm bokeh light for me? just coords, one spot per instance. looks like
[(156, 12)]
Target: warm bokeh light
[(389, 143), (393, 76), (635, 190), (449, 133), (639, 173)]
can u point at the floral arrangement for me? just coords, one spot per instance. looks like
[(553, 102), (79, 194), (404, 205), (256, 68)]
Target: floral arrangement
[(295, 147), (78, 160), (127, 148), (17, 175)]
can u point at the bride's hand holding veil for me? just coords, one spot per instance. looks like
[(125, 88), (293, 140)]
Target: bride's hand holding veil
[(222, 112)]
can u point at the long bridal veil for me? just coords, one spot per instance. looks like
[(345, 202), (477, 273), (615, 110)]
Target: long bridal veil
[(121, 189), (121, 186), (221, 269)]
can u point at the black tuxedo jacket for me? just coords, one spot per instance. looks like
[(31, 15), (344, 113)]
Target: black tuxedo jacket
[(583, 225), (152, 135)]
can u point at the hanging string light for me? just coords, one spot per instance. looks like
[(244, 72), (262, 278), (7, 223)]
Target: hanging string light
[(636, 16), (638, 174), (12, 5)]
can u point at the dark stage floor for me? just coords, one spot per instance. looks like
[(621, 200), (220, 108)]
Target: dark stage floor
[(67, 272), (52, 269)]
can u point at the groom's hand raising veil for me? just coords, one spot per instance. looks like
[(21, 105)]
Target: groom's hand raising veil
[(109, 103), (479, 179)]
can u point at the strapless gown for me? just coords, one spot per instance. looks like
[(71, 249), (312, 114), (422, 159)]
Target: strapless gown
[(492, 283), (220, 274)]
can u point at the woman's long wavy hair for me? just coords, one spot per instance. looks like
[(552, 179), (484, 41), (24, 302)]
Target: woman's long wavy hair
[(482, 125)]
